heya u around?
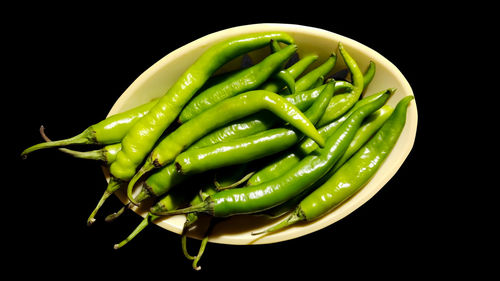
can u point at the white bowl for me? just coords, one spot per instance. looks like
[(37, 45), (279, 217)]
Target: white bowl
[(155, 81)]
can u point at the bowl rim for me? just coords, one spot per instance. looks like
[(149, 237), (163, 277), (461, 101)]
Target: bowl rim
[(174, 223)]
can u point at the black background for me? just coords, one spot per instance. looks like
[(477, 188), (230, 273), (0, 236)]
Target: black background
[(68, 65)]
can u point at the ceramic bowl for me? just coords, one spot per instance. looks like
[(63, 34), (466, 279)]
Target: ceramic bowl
[(155, 81)]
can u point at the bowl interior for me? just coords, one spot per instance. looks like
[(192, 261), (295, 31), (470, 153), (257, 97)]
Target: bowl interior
[(155, 81)]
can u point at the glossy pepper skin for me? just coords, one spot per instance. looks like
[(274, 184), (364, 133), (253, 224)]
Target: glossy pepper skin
[(280, 166), (251, 199), (370, 126), (108, 131), (250, 148), (246, 80), (259, 121), (292, 183), (307, 146), (162, 180), (350, 177), (142, 137), (234, 108), (275, 85), (309, 79), (343, 102)]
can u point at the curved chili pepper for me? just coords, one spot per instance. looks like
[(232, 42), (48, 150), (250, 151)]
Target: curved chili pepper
[(307, 146), (370, 126), (308, 80), (351, 176), (261, 121), (250, 148), (343, 102), (369, 74), (365, 132), (243, 81), (275, 85), (287, 76), (144, 134), (162, 180), (251, 199), (276, 168), (108, 131), (285, 162), (233, 108), (142, 137)]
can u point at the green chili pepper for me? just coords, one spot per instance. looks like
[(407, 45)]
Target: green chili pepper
[(233, 108), (251, 199), (142, 137), (287, 77), (109, 131), (165, 178), (280, 166), (310, 79), (308, 145), (369, 74), (260, 121), (370, 126), (353, 174), (275, 85), (244, 81), (343, 102), (250, 148), (144, 134), (319, 82), (160, 181)]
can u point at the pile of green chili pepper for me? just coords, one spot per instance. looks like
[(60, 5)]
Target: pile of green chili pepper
[(278, 137)]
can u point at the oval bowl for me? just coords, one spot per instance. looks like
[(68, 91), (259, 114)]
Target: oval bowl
[(237, 230)]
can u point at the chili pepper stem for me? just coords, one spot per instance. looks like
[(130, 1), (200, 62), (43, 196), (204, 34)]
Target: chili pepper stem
[(293, 218), (91, 218), (200, 253), (191, 218), (148, 166), (85, 137), (145, 222), (184, 248), (113, 185), (91, 155), (141, 196), (205, 206)]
